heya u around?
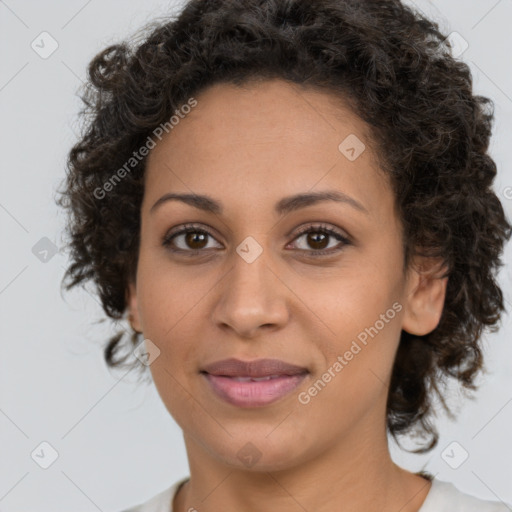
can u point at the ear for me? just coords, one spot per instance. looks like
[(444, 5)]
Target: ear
[(133, 310), (425, 295)]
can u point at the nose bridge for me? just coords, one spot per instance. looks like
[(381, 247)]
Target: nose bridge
[(250, 272), (251, 295)]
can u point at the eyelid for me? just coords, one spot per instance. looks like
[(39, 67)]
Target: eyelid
[(188, 225), (321, 226)]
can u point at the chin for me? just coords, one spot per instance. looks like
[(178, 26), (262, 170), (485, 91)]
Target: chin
[(257, 451)]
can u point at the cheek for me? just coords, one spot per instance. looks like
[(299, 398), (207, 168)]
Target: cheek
[(350, 305), (167, 311), (356, 367), (168, 296), (358, 358)]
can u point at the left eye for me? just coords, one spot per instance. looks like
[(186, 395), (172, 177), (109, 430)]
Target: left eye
[(320, 238)]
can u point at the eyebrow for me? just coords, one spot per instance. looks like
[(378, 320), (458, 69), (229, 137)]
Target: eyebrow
[(282, 207)]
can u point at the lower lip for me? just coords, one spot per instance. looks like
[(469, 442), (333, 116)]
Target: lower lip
[(253, 393)]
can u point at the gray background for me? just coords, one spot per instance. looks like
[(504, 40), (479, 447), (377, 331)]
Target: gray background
[(116, 443)]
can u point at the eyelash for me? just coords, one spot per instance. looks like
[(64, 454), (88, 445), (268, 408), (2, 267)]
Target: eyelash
[(320, 228)]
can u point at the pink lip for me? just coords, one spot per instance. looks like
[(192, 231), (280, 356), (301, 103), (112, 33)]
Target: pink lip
[(230, 380), (253, 394)]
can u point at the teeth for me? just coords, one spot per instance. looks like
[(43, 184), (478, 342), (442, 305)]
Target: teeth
[(255, 379)]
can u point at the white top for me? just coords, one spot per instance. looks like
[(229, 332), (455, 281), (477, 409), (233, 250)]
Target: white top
[(442, 497)]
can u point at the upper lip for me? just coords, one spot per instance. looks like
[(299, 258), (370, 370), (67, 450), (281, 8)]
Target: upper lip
[(258, 368)]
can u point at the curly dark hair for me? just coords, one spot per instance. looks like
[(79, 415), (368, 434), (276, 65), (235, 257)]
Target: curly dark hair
[(396, 71)]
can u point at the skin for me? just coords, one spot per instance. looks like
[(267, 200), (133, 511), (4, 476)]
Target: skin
[(248, 147)]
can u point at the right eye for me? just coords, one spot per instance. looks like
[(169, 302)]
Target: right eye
[(189, 239)]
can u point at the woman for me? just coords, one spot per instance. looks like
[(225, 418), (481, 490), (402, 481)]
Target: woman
[(292, 202)]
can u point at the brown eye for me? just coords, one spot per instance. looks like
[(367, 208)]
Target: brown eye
[(195, 239), (317, 240), (320, 240), (190, 239)]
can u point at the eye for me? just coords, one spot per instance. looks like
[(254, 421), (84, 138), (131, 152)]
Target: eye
[(319, 238), (189, 239)]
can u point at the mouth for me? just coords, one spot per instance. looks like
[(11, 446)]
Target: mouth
[(253, 383)]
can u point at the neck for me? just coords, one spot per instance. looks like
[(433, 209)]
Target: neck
[(352, 475)]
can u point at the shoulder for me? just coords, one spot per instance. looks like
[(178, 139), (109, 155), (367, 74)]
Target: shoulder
[(445, 497), (442, 497), (162, 502)]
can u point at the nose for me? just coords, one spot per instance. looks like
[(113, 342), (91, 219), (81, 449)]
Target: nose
[(251, 299)]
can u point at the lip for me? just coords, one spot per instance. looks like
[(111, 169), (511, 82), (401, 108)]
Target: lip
[(231, 380), (258, 368)]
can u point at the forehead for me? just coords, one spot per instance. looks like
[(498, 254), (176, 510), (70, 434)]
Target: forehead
[(265, 137), (270, 111)]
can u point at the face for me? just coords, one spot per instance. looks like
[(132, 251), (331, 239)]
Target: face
[(268, 271)]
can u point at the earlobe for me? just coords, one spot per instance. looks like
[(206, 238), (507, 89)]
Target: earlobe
[(133, 311), (424, 303)]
